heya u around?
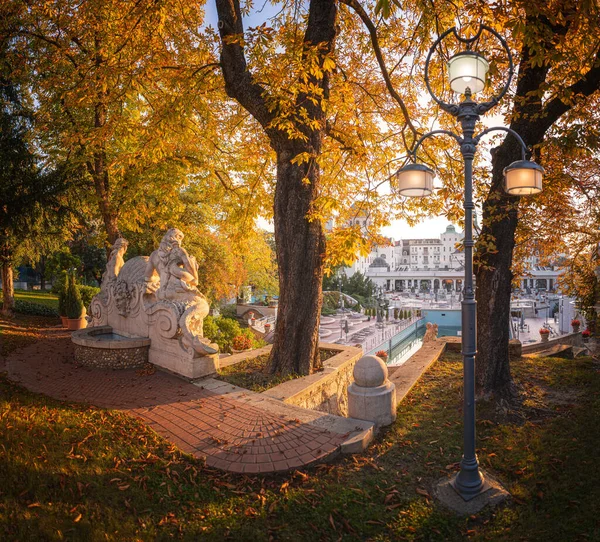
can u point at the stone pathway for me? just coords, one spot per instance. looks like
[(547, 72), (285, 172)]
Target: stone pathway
[(233, 429)]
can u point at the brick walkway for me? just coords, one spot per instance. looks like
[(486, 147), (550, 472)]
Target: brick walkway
[(233, 429)]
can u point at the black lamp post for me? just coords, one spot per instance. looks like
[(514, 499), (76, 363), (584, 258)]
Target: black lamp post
[(467, 72)]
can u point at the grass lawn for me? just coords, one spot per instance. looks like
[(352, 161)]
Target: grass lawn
[(81, 473), (37, 296)]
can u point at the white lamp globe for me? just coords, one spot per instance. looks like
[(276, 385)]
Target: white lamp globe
[(414, 180), (523, 178), (467, 70)]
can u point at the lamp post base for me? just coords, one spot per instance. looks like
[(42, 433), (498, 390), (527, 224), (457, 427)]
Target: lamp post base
[(491, 494), (470, 491)]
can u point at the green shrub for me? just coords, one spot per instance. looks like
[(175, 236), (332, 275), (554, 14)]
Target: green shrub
[(34, 309), (62, 306), (73, 303), (223, 331), (87, 293), (61, 283)]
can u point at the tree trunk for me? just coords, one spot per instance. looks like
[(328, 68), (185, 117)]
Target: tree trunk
[(102, 186), (300, 250), (42, 268), (300, 242), (8, 287), (494, 280)]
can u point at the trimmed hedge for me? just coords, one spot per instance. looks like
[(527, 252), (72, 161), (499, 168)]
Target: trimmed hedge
[(87, 293), (34, 309)]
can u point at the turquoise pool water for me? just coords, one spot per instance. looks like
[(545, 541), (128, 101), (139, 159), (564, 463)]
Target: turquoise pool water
[(406, 348)]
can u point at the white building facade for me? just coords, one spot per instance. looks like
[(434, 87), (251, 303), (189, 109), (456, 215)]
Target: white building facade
[(432, 264)]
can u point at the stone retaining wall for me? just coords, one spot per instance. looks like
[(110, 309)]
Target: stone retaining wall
[(106, 358), (454, 344), (570, 338), (326, 390)]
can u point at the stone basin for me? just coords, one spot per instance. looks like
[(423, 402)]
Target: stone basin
[(102, 348)]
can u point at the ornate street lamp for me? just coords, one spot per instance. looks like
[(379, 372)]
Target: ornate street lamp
[(467, 72)]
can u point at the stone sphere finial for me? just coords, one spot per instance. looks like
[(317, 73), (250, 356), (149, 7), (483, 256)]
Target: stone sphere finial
[(370, 372)]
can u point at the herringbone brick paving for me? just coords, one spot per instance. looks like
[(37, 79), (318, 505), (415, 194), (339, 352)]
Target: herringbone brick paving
[(231, 433)]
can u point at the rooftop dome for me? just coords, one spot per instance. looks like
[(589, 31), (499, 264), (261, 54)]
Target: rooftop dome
[(379, 262), (450, 229)]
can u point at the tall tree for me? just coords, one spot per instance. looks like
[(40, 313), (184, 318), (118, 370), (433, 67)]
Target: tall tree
[(558, 74), (310, 87), (18, 176), (119, 89), (300, 242)]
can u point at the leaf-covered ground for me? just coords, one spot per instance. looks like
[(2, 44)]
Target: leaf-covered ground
[(81, 473), (20, 330)]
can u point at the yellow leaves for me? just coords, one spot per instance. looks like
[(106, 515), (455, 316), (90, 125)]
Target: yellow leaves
[(235, 39), (344, 246), (302, 157), (328, 64)]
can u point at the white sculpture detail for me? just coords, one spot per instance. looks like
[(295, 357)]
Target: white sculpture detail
[(431, 333), (115, 262), (157, 297)]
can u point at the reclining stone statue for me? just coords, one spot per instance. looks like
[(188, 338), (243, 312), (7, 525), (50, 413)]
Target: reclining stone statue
[(157, 297)]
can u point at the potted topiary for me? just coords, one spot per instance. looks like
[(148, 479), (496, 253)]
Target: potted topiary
[(544, 334), (62, 308), (74, 306), (575, 323), (60, 287)]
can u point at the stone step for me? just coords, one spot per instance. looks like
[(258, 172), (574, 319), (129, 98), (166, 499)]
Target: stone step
[(357, 434), (557, 351)]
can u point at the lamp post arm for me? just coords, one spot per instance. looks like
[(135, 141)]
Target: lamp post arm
[(449, 108), (414, 150), (486, 106), (509, 131)]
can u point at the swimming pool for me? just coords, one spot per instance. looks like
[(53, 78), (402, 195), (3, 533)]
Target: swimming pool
[(407, 347)]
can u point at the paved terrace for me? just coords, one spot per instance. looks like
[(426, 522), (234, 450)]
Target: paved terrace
[(361, 331), (231, 428)]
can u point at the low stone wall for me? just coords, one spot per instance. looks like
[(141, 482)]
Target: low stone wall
[(101, 358), (326, 390), (92, 350), (570, 338), (454, 344)]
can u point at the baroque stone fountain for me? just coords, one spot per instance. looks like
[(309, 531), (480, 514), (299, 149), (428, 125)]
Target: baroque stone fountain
[(149, 309)]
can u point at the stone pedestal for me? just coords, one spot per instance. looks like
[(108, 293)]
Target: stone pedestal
[(372, 397)]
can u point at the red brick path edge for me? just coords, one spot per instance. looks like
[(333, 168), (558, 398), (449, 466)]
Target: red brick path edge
[(232, 429)]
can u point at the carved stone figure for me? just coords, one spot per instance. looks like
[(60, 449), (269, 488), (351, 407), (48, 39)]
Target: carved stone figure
[(115, 262), (157, 297), (177, 270), (431, 333)]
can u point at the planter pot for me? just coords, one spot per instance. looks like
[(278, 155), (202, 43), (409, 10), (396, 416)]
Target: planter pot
[(575, 329), (545, 337), (64, 321), (586, 339), (73, 324)]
